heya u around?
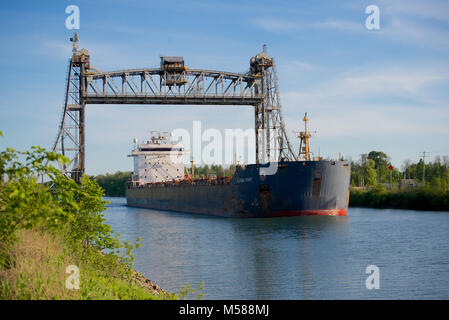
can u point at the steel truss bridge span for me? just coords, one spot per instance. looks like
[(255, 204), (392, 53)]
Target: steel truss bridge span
[(174, 84), (147, 86)]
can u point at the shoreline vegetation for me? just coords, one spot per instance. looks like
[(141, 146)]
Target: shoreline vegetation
[(54, 242), (423, 199), (375, 183)]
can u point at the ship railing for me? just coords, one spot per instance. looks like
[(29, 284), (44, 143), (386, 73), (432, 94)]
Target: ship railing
[(184, 182)]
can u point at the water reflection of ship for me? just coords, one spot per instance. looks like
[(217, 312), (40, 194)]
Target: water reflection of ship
[(274, 258), (296, 261)]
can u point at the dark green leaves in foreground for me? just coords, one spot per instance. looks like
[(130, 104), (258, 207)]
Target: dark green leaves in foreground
[(60, 205)]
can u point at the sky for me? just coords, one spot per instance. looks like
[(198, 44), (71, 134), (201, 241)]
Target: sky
[(363, 90)]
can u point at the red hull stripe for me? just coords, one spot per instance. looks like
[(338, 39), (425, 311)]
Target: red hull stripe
[(323, 212)]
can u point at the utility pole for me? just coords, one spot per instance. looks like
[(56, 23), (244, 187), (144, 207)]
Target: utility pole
[(424, 167), (363, 158), (390, 168)]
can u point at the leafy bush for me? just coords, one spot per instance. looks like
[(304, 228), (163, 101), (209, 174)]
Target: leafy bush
[(70, 214), (75, 210)]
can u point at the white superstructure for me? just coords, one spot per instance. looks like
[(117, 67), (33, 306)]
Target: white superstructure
[(157, 160)]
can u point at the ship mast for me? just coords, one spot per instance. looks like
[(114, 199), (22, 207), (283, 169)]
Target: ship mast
[(193, 168), (304, 149)]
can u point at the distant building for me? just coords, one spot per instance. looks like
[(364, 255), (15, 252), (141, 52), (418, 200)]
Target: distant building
[(408, 184)]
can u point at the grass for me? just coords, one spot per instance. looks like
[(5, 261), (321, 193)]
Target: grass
[(36, 269)]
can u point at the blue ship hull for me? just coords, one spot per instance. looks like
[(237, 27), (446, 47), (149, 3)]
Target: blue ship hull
[(296, 188)]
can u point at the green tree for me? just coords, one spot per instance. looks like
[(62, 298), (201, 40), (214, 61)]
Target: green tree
[(24, 203), (370, 173), (445, 179), (436, 183), (381, 165), (114, 184), (380, 158)]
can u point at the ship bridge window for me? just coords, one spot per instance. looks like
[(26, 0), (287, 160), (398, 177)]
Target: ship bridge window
[(161, 149)]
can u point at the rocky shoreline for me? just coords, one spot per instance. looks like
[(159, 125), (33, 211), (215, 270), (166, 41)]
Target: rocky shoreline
[(147, 284), (152, 287)]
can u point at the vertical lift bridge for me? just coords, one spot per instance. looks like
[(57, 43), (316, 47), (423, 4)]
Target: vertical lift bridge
[(172, 83)]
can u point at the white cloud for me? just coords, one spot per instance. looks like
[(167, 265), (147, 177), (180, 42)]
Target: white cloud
[(55, 49), (419, 34), (343, 25), (401, 21), (430, 9), (410, 83), (283, 25), (300, 65), (276, 25), (375, 120), (387, 101)]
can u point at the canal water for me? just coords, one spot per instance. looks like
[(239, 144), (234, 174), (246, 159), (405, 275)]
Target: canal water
[(291, 258)]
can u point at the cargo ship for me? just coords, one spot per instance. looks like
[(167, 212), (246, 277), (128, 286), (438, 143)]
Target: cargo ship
[(307, 186)]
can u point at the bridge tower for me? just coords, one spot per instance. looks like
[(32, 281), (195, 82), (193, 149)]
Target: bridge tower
[(272, 143), (71, 138)]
